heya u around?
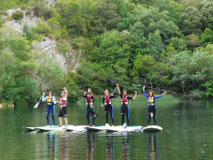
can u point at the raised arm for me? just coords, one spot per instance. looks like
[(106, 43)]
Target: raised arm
[(119, 91), (160, 95), (135, 95), (144, 92)]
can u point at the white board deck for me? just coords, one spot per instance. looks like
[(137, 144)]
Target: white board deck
[(30, 128), (80, 128), (124, 129), (51, 128), (96, 128), (152, 128)]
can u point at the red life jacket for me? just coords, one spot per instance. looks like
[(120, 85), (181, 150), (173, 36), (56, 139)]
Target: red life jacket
[(63, 102), (89, 99), (124, 100), (107, 100)]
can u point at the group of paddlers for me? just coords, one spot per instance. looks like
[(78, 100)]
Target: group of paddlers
[(107, 104)]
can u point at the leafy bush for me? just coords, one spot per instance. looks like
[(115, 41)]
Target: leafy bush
[(28, 32), (43, 28), (18, 15)]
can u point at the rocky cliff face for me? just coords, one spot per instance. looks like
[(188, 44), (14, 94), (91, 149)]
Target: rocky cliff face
[(68, 61)]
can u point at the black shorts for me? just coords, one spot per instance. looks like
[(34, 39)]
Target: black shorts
[(63, 112)]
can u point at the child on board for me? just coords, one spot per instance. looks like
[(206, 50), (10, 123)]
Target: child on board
[(107, 103), (50, 106), (90, 107), (63, 107), (151, 109), (124, 104)]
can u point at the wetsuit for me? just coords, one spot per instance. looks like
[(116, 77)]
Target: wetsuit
[(50, 108), (108, 107), (151, 107), (125, 109), (63, 104), (90, 108)]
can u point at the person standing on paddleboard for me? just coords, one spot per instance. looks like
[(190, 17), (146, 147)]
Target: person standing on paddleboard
[(124, 104), (107, 102), (63, 107), (151, 109), (50, 106), (90, 107)]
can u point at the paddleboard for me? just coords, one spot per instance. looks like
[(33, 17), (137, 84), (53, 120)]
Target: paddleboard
[(124, 129), (152, 128), (96, 128), (30, 128), (51, 128), (80, 128)]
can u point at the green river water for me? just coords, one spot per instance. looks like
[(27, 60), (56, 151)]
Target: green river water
[(187, 134)]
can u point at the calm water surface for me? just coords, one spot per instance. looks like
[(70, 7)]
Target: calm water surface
[(187, 134)]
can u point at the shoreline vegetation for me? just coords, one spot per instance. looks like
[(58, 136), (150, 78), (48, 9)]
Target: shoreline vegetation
[(47, 45), (140, 99)]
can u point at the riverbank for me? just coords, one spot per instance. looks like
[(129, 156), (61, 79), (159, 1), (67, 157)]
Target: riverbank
[(6, 104)]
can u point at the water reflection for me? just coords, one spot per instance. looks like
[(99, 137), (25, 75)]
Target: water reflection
[(152, 146), (126, 146), (63, 145), (91, 139), (109, 146), (51, 145)]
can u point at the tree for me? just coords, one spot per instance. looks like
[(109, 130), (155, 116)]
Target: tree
[(175, 12), (17, 68), (191, 71), (113, 53), (142, 67), (194, 40), (207, 12), (191, 20), (154, 45), (70, 16), (207, 37)]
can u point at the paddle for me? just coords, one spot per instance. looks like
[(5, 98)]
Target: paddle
[(37, 104), (102, 106), (114, 82), (154, 88)]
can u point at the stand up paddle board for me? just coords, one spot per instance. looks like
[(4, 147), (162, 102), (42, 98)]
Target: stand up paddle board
[(124, 129), (51, 128), (152, 128), (96, 128), (31, 128), (76, 128)]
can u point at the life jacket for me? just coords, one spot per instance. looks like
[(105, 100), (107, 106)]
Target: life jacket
[(151, 101), (63, 102), (107, 100), (89, 100), (124, 100), (49, 101)]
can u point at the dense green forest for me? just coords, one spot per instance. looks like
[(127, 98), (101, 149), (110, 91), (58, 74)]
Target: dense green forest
[(161, 43)]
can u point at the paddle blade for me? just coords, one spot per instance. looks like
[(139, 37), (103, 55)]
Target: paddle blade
[(36, 105)]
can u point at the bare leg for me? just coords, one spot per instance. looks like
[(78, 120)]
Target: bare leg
[(60, 121), (66, 121)]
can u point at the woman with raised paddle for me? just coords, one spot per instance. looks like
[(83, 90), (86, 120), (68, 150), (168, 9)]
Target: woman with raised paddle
[(107, 102), (124, 104), (50, 106), (63, 106), (90, 108), (151, 110)]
